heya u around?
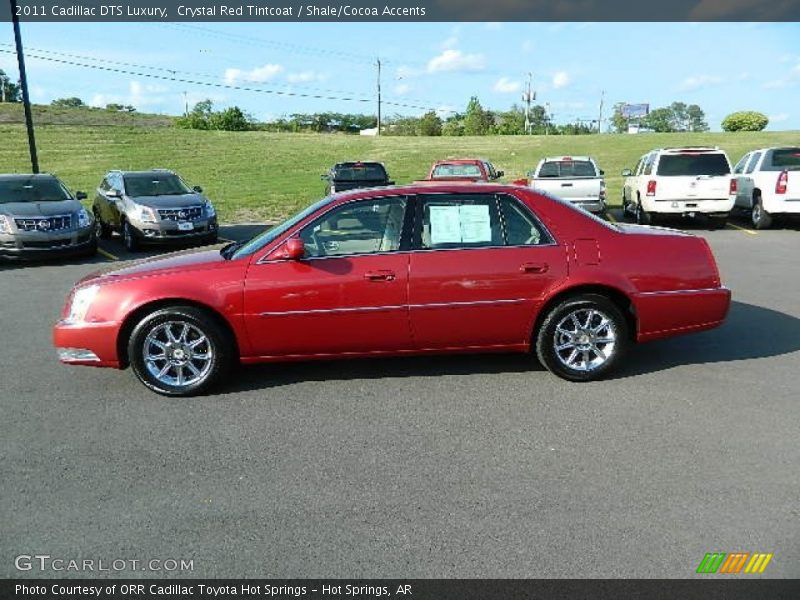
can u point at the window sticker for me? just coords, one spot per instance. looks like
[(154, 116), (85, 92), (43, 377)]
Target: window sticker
[(468, 224)]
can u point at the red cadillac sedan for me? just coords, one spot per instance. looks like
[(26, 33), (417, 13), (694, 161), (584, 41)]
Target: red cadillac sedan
[(401, 270)]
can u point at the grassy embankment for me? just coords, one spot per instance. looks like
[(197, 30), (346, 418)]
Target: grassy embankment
[(257, 176)]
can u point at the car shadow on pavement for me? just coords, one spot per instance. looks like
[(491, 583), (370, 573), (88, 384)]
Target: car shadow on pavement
[(749, 332), (33, 263)]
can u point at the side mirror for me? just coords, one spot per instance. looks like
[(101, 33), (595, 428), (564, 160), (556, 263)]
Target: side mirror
[(198, 189), (499, 174), (627, 173), (80, 195), (323, 177), (291, 249), (602, 172)]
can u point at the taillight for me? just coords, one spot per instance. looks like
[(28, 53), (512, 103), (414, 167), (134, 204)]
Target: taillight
[(602, 189), (651, 188), (783, 182), (733, 187)]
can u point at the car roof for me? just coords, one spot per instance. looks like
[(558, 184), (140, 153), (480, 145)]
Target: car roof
[(569, 156), (431, 187), (147, 172), (18, 176), (460, 161)]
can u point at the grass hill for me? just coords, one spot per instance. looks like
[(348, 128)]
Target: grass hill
[(258, 176)]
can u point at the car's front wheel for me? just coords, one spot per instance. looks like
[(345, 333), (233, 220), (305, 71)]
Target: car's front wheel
[(582, 338), (180, 351), (129, 238), (102, 230)]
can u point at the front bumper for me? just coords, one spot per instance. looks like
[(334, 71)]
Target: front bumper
[(89, 344), (33, 244), (165, 232)]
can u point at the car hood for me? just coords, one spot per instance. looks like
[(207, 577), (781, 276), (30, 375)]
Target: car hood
[(183, 261), (170, 201), (39, 209)]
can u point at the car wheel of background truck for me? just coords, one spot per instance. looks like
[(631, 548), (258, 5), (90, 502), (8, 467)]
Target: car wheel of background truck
[(760, 217), (642, 216), (717, 222)]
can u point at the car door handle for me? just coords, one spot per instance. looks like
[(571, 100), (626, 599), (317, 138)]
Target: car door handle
[(566, 185), (379, 275), (534, 268)]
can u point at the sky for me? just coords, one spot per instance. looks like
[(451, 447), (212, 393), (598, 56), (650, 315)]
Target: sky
[(723, 67)]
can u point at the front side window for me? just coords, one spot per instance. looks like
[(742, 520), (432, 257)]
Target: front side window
[(363, 227), (739, 168)]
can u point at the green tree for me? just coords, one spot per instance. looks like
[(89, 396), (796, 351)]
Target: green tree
[(72, 102), (660, 120), (198, 118), (618, 120), (9, 91), (747, 120), (697, 118), (476, 120), (454, 126), (430, 124), (230, 119)]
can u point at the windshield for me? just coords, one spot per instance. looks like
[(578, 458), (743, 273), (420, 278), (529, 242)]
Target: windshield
[(155, 184), (783, 159), (262, 239), (568, 168), (456, 171), (693, 163), (359, 172), (32, 189)]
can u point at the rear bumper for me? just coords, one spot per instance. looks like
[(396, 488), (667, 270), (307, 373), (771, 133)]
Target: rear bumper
[(32, 245), (670, 313), (781, 206), (89, 344), (683, 206)]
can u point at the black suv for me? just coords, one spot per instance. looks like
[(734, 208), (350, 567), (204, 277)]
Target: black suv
[(352, 175)]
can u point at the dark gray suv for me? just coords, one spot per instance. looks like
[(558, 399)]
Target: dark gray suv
[(153, 207), (39, 217)]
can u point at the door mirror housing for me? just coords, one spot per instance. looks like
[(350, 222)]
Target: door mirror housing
[(113, 194), (198, 189), (627, 172), (80, 195), (499, 174), (292, 249)]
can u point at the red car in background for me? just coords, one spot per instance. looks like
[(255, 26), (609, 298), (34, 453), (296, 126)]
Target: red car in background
[(393, 271), (463, 170)]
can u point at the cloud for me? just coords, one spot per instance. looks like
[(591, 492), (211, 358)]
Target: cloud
[(305, 77), (778, 118), (257, 75), (139, 95), (775, 84), (561, 80), (504, 85), (698, 82), (450, 42), (455, 61), (401, 89), (405, 72)]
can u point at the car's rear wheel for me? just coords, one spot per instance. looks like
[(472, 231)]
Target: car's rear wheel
[(179, 351), (582, 338), (129, 238), (103, 230), (761, 218)]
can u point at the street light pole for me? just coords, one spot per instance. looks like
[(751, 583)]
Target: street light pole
[(23, 79)]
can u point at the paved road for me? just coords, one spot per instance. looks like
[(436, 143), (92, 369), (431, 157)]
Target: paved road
[(480, 466)]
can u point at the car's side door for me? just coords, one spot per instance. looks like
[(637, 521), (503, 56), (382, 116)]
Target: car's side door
[(348, 294), (479, 270)]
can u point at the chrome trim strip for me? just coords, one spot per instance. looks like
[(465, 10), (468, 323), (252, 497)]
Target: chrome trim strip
[(351, 309), (674, 292)]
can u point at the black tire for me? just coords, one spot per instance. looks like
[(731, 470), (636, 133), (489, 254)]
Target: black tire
[(553, 338), (642, 216), (211, 239), (103, 230), (217, 351), (129, 239), (92, 249), (760, 218)]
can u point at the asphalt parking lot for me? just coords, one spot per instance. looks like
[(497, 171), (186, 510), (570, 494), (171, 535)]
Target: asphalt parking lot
[(480, 466)]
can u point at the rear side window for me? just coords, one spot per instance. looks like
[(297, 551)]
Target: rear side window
[(648, 164), (751, 166), (521, 228), (676, 165), (783, 159), (571, 168)]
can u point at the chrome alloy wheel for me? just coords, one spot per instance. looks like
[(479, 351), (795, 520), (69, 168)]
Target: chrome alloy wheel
[(584, 340), (177, 353)]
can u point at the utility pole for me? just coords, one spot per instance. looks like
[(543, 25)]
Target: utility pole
[(528, 97), (547, 117), (23, 79), (379, 95), (185, 104), (600, 117)]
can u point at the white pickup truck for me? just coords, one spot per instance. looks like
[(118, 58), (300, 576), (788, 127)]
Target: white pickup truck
[(767, 183), (576, 179)]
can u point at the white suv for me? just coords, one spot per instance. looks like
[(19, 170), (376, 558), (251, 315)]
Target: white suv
[(767, 183), (680, 182)]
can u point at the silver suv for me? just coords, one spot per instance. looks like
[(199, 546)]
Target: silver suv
[(39, 217), (153, 207)]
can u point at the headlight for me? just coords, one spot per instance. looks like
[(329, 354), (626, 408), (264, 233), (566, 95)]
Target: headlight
[(84, 219), (146, 214), (210, 210), (81, 301), (5, 224)]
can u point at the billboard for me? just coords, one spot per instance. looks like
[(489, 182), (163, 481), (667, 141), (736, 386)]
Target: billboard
[(634, 111)]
